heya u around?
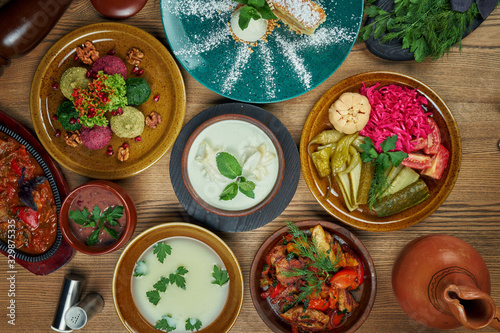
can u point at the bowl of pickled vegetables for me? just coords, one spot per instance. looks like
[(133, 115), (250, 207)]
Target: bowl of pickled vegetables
[(380, 151), (313, 276)]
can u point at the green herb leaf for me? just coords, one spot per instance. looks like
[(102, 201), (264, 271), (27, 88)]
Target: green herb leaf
[(267, 13), (220, 276), (228, 165), (163, 324), (389, 143), (140, 268), (247, 187), (112, 232), (112, 214), (96, 215), (193, 324), (397, 157), (229, 192), (94, 237), (162, 284), (161, 250), (178, 277), (80, 217), (153, 296), (256, 3)]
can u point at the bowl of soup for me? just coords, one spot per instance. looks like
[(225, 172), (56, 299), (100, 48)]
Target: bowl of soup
[(98, 217), (177, 277), (232, 165)]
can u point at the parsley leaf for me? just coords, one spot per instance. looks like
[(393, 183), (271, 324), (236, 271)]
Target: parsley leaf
[(193, 324), (178, 277), (112, 214), (162, 284), (94, 237), (220, 276), (389, 143), (80, 217), (140, 268), (153, 296), (163, 324), (112, 232), (161, 250)]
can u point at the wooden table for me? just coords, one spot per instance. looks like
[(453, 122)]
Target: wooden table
[(469, 82)]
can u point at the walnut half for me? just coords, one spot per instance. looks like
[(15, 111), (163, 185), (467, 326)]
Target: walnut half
[(123, 154), (153, 120), (134, 56), (87, 54), (72, 138)]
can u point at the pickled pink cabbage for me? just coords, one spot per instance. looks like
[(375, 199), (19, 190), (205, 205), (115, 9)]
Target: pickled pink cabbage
[(396, 110)]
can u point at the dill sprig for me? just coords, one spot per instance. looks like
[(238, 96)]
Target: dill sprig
[(319, 260), (429, 28)]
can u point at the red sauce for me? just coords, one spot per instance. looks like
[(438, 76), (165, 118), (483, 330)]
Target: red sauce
[(88, 198), (29, 239)]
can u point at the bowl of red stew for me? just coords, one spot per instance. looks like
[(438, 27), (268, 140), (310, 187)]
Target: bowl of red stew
[(98, 217), (313, 276)]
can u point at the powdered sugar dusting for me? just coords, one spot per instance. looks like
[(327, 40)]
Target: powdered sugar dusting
[(267, 61), (203, 9), (296, 61), (325, 37), (205, 43), (241, 59)]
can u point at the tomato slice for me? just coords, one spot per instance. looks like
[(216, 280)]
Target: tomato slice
[(344, 279), (417, 161), (433, 139), (438, 163), (421, 143), (336, 319), (319, 304), (360, 269)]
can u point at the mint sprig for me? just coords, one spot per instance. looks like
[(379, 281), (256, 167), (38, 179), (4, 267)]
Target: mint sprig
[(98, 220), (229, 167), (254, 9)]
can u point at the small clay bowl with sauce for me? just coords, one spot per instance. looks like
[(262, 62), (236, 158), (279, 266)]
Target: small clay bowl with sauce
[(235, 145), (364, 295), (103, 194)]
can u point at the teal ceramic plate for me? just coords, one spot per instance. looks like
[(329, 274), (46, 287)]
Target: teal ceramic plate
[(288, 65)]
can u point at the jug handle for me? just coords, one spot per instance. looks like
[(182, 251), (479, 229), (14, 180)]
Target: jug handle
[(495, 323)]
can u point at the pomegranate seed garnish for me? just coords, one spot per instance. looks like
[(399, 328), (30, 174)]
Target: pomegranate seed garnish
[(110, 147), (54, 117), (114, 113), (111, 52), (120, 111), (79, 202), (125, 145), (94, 75), (76, 57), (91, 109), (138, 138), (78, 120), (156, 98), (140, 72), (109, 153), (88, 74), (55, 86), (135, 69), (72, 121), (57, 133)]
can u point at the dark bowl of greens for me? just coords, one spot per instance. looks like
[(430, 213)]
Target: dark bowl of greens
[(98, 217), (313, 276)]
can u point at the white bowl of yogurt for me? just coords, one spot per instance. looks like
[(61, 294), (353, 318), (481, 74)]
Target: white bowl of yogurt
[(239, 139)]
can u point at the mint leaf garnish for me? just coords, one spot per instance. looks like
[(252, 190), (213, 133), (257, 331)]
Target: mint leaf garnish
[(254, 9), (228, 165), (247, 187), (229, 192)]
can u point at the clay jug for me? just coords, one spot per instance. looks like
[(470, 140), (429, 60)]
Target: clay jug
[(24, 24), (442, 282)]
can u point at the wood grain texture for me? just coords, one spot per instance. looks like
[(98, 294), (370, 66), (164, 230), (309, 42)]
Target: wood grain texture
[(469, 82)]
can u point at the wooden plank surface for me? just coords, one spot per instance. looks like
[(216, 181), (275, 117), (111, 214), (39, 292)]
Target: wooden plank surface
[(469, 82)]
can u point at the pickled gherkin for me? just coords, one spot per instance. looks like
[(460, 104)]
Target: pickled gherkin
[(341, 154)]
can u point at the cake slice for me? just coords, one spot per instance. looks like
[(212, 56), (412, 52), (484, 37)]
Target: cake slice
[(301, 16)]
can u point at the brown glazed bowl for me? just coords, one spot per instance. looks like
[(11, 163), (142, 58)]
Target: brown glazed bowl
[(365, 296), (317, 121), (122, 278), (129, 211), (203, 203)]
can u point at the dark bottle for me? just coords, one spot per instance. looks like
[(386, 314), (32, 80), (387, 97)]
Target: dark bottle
[(24, 24)]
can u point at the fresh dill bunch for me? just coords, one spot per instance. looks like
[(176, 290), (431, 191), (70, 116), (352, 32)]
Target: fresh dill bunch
[(429, 28), (380, 184)]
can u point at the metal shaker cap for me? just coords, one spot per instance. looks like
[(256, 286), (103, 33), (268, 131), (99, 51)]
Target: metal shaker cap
[(70, 294), (79, 314)]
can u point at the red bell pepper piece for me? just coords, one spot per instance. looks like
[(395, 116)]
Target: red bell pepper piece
[(28, 216)]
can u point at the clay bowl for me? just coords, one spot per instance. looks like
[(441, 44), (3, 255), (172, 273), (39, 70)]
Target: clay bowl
[(365, 296), (189, 185), (317, 121), (71, 236), (122, 279)]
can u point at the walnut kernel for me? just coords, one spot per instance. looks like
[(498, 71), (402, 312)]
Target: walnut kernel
[(134, 56), (88, 54), (72, 138), (123, 154), (153, 119)]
